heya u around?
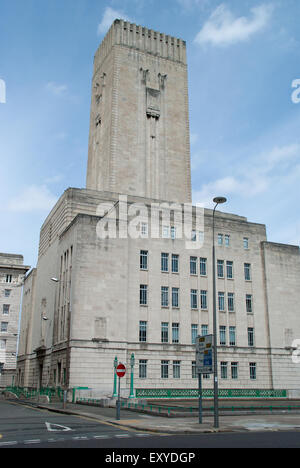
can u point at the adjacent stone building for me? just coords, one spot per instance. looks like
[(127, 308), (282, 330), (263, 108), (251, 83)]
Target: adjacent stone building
[(125, 265), (12, 273)]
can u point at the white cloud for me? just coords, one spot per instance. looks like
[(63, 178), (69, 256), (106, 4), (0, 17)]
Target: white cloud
[(56, 89), (35, 198), (255, 176), (223, 28), (108, 18)]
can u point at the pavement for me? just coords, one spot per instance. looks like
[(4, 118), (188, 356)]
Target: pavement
[(282, 421)]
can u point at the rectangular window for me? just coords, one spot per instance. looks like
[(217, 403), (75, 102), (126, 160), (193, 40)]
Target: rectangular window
[(176, 369), (234, 370), (143, 331), (204, 330), (222, 335), (220, 268), (144, 230), (224, 374), (230, 300), (194, 370), (194, 332), (193, 265), (203, 297), (193, 236), (2, 345), (144, 260), (165, 262), (143, 368), (252, 369), (250, 336), (249, 303), (175, 332), (221, 301), (166, 232), (8, 279), (175, 263), (246, 243), (164, 369), (227, 240), (175, 297), (173, 232), (247, 270), (164, 296), (143, 294), (5, 310), (4, 327), (232, 336), (194, 299), (203, 262), (165, 332), (220, 239), (7, 292), (229, 269)]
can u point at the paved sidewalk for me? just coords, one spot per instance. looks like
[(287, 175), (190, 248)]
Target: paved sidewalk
[(187, 425)]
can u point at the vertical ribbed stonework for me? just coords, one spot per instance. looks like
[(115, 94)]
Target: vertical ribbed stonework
[(139, 126)]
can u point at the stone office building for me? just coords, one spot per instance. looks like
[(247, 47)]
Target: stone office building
[(12, 272), (125, 265)]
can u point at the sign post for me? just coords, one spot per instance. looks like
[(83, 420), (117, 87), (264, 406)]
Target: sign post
[(120, 371), (204, 363)]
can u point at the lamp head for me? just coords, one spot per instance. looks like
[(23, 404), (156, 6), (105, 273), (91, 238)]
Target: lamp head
[(220, 200)]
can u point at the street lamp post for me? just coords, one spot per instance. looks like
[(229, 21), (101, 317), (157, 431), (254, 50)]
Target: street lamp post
[(217, 201)]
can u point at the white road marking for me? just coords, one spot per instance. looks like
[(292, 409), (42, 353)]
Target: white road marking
[(11, 442), (51, 427), (33, 441)]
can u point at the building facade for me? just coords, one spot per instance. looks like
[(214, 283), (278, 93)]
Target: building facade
[(125, 265), (12, 273)]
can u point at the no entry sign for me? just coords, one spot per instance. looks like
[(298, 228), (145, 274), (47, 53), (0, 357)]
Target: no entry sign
[(121, 370)]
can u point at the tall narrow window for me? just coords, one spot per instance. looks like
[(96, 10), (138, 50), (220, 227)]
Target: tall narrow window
[(249, 303), (222, 335), (143, 294), (5, 310), (175, 297), (164, 369), (175, 263), (250, 336), (176, 369), (193, 265), (165, 332), (247, 271), (8, 278), (194, 299), (227, 240), (143, 331), (165, 296), (143, 368), (194, 331), (224, 374), (175, 332), (234, 370), (246, 243), (229, 269), (220, 239), (165, 262), (204, 330), (203, 262), (221, 301), (203, 297), (230, 300), (144, 260), (220, 268), (232, 337), (252, 369)]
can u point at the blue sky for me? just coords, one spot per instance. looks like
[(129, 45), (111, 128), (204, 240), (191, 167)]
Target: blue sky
[(244, 59)]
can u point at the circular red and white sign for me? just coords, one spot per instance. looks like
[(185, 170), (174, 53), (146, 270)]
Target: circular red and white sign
[(121, 370)]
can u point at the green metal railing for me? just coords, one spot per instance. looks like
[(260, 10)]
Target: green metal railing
[(24, 392), (208, 393)]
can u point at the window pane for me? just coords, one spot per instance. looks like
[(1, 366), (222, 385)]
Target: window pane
[(144, 260), (229, 269), (204, 330), (252, 368), (203, 262), (247, 269), (234, 370), (246, 242), (143, 331), (194, 298), (164, 262), (222, 335), (194, 330), (164, 369), (221, 300), (164, 296), (176, 369), (203, 297), (220, 239), (193, 265), (230, 302), (223, 370), (175, 297), (143, 294), (142, 368), (232, 341), (248, 302), (175, 332), (175, 263), (250, 337), (164, 332), (220, 268)]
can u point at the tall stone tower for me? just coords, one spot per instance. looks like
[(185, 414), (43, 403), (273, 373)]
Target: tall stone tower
[(139, 126)]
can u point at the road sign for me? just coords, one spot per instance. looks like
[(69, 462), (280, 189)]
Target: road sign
[(121, 370), (204, 354)]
